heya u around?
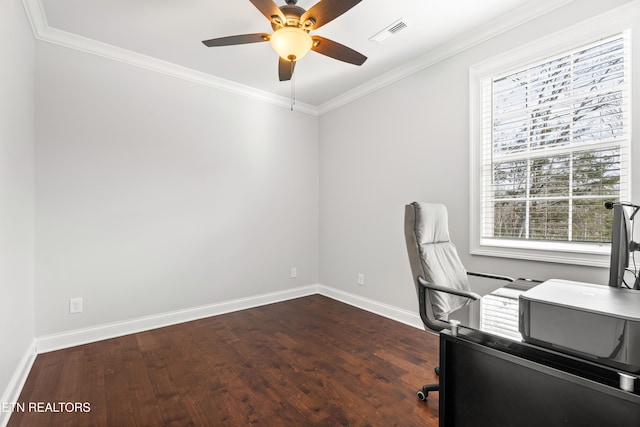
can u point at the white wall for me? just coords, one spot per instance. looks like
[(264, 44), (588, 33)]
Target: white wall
[(157, 194), (410, 141), (16, 191)]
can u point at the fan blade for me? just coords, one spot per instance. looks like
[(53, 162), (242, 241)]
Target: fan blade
[(326, 11), (233, 40), (285, 69), (337, 51), (269, 9)]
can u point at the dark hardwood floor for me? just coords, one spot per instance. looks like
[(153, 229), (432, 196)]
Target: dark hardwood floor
[(308, 361)]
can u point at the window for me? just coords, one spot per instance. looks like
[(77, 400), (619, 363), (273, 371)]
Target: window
[(552, 147)]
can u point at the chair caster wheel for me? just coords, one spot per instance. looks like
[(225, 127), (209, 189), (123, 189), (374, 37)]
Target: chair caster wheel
[(422, 395)]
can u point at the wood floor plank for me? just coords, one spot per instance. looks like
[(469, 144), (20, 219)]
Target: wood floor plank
[(309, 361)]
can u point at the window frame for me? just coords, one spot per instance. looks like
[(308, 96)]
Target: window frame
[(588, 33)]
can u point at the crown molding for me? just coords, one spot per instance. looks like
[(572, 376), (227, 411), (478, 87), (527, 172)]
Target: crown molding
[(528, 12), (42, 31)]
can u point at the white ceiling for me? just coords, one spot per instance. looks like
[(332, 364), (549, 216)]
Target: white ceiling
[(172, 31)]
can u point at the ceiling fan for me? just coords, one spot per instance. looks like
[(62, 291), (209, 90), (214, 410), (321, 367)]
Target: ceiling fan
[(291, 39)]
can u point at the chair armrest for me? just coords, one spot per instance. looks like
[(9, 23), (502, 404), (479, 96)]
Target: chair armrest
[(491, 276), (459, 292)]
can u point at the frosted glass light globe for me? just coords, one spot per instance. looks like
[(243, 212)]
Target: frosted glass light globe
[(291, 43)]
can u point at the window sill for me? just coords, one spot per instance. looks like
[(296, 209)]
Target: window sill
[(593, 255)]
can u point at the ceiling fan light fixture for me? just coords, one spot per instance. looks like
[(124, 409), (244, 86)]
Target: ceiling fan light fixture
[(291, 43)]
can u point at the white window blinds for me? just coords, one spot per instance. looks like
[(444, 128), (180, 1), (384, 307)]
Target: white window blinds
[(499, 313), (555, 145)]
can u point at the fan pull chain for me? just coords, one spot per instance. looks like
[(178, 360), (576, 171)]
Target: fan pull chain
[(293, 86)]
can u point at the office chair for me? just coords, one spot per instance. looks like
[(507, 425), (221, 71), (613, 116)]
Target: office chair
[(441, 281)]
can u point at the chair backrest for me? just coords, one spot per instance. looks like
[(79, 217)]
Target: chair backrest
[(433, 256)]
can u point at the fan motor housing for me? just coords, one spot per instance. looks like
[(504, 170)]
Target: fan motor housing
[(292, 15)]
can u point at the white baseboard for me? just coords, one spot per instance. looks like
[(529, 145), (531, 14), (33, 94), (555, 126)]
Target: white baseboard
[(73, 338), (14, 388), (373, 306)]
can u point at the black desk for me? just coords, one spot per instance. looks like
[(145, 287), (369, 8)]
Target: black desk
[(490, 377)]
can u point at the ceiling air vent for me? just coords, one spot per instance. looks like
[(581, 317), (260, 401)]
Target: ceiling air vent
[(390, 30)]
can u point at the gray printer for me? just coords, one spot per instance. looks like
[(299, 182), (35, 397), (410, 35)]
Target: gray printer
[(595, 322)]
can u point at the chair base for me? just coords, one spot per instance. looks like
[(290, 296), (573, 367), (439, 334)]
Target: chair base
[(423, 393)]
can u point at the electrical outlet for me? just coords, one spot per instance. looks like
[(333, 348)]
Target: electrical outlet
[(75, 305), (360, 279), (294, 272)]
